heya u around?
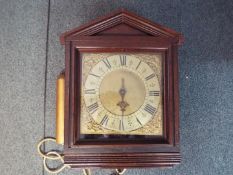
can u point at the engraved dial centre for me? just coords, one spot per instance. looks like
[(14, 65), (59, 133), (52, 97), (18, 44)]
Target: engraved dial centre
[(122, 92)]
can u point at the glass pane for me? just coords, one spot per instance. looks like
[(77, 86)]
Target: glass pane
[(121, 94)]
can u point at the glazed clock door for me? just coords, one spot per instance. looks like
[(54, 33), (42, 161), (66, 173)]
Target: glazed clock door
[(121, 94)]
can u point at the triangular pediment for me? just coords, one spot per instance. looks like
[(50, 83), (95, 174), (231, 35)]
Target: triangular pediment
[(122, 22), (122, 29)]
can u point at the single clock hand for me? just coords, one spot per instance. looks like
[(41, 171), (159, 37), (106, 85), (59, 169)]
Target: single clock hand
[(122, 104)]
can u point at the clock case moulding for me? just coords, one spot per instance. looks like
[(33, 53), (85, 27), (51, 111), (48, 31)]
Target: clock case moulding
[(122, 31)]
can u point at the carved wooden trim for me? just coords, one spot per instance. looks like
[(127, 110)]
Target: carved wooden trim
[(119, 17), (124, 161)]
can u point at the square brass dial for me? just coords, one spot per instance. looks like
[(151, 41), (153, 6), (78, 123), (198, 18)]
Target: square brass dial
[(122, 93)]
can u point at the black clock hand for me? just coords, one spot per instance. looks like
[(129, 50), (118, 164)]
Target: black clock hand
[(122, 90), (122, 104)]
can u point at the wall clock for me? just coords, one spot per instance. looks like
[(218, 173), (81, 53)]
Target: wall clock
[(121, 93)]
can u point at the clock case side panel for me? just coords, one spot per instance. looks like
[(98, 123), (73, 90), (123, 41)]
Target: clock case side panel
[(99, 155)]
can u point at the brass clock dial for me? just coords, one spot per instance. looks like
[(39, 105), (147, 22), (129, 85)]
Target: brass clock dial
[(121, 93)]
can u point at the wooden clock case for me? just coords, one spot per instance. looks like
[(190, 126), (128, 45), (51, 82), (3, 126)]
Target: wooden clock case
[(122, 31)]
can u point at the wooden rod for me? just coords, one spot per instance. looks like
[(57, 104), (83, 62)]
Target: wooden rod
[(60, 107)]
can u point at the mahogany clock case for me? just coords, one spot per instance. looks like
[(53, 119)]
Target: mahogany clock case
[(121, 32)]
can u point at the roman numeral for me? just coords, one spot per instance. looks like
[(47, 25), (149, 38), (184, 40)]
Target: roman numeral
[(153, 93), (90, 91), (138, 65), (123, 60), (150, 109), (95, 75), (106, 62), (104, 121), (138, 121), (92, 108), (150, 76), (121, 125)]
